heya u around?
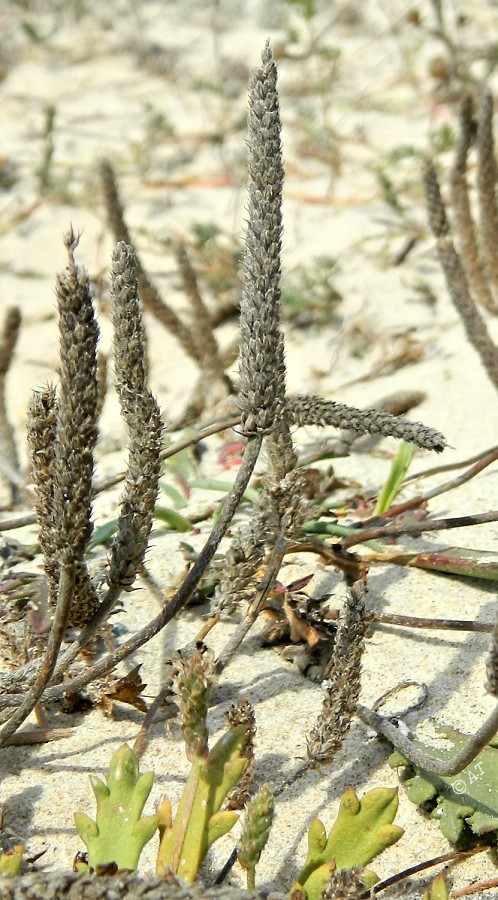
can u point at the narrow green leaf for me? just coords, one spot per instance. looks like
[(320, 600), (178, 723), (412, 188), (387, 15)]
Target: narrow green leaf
[(215, 484), (177, 499), (398, 470), (173, 519), (103, 534)]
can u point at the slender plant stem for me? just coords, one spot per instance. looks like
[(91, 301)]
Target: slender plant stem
[(18, 522), (443, 624), (271, 572), (400, 528), (61, 616), (452, 766), (419, 622), (453, 856), (449, 467), (29, 737), (474, 888), (140, 744)]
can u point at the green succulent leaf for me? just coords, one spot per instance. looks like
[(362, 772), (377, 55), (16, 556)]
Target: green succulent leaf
[(11, 861), (119, 834), (199, 822), (317, 838), (464, 803), (437, 890), (221, 823), (362, 830)]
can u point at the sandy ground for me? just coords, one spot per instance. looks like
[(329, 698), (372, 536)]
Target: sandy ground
[(160, 87)]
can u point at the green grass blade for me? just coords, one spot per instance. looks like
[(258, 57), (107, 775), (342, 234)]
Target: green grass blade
[(399, 468)]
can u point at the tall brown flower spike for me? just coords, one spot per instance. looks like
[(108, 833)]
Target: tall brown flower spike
[(10, 466), (487, 171), (261, 365), (310, 410), (342, 684), (63, 447), (193, 685), (42, 426), (142, 416), (465, 228), (456, 278), (151, 298), (242, 713)]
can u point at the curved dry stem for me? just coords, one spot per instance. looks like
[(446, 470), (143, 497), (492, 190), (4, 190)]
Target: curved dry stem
[(396, 530), (61, 617), (404, 745)]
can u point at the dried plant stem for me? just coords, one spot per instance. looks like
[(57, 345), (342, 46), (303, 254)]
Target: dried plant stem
[(28, 737), (59, 624), (492, 452), (460, 761), (149, 294), (434, 624), (417, 528), (456, 279), (376, 619), (18, 522), (453, 856), (140, 743), (9, 465), (486, 185), (182, 595), (475, 888), (464, 223), (208, 358), (272, 569)]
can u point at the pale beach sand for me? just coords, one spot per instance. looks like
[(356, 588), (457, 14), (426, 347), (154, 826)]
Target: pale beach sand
[(112, 71)]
